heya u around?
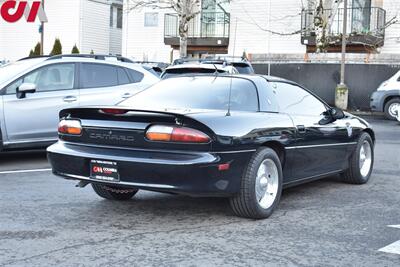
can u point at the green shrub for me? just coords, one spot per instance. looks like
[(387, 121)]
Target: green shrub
[(57, 48), (75, 50)]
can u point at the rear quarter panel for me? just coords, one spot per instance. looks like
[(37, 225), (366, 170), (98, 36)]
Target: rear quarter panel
[(248, 130)]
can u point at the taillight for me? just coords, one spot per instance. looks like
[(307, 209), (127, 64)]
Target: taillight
[(113, 111), (176, 134), (72, 127)]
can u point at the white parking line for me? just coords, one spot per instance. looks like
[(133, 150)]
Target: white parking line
[(394, 247), (25, 171)]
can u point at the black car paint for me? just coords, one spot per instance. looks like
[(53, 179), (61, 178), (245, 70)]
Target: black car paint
[(309, 153)]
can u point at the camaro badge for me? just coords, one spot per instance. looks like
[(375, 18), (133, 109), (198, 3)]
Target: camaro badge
[(349, 129)]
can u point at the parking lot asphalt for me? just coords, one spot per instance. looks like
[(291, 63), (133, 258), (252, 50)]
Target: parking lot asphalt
[(46, 221)]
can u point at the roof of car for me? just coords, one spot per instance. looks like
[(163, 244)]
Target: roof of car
[(251, 77), (96, 58), (196, 65)]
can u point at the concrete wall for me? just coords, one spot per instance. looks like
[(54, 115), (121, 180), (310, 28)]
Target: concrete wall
[(362, 79)]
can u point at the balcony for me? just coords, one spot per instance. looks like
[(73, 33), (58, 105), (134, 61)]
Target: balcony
[(208, 32), (365, 28)]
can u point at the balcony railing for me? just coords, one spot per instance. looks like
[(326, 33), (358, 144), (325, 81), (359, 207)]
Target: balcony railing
[(365, 26), (203, 25)]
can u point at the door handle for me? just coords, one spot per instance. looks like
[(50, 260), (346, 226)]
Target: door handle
[(126, 95), (70, 99), (301, 128)]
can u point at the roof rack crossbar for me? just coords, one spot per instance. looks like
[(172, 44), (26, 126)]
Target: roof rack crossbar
[(211, 60), (25, 58)]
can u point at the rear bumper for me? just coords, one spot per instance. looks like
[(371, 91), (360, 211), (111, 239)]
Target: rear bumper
[(184, 172)]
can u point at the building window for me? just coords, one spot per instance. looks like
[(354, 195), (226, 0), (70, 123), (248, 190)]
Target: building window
[(119, 17), (361, 16), (151, 19)]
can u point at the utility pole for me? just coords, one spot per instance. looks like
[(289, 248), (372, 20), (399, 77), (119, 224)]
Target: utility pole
[(344, 40), (42, 34), (342, 91)]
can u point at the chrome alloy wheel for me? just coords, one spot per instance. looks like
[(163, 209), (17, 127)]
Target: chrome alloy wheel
[(393, 109), (267, 183), (365, 159)]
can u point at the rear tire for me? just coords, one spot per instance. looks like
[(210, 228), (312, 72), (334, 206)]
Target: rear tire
[(389, 108), (361, 162), (261, 186), (113, 192)]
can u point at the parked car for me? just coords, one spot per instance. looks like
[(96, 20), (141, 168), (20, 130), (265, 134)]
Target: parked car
[(387, 97), (196, 69), (154, 67), (242, 65), (244, 137), (34, 90)]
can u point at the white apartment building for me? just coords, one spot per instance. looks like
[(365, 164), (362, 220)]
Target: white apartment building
[(262, 29), (90, 24)]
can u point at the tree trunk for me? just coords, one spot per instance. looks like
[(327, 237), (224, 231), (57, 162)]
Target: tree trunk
[(183, 46), (183, 34)]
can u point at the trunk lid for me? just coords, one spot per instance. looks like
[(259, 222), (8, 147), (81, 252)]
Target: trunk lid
[(128, 130)]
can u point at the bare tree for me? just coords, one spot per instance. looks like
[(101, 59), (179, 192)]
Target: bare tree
[(186, 10), (325, 12)]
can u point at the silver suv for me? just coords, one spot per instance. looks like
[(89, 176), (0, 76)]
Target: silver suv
[(34, 90)]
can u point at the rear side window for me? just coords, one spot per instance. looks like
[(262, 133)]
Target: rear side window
[(135, 75), (98, 75), (122, 77)]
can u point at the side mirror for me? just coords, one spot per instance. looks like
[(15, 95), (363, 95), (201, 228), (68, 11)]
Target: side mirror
[(337, 113), (332, 115), (24, 89)]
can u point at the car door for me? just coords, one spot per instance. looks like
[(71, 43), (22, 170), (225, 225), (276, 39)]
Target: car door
[(319, 149), (106, 84), (34, 117)]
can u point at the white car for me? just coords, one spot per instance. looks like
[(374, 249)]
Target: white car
[(387, 97), (34, 90)]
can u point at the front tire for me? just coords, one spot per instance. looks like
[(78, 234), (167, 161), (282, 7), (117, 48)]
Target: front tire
[(390, 108), (261, 186), (113, 192), (361, 162)]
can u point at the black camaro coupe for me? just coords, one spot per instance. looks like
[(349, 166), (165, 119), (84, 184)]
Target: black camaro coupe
[(245, 137)]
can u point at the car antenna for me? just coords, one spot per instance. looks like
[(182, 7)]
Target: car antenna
[(230, 85), (228, 113), (216, 70)]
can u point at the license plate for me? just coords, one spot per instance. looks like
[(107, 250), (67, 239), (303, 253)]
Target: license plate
[(104, 170)]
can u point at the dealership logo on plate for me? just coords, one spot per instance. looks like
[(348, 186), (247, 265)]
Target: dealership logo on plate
[(12, 11)]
